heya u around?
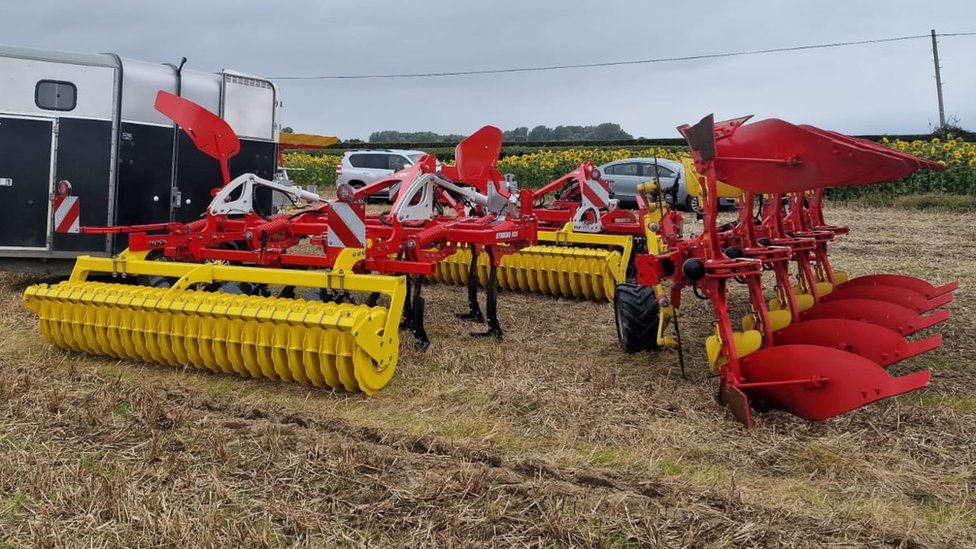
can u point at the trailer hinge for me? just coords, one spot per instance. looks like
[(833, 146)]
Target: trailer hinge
[(175, 198)]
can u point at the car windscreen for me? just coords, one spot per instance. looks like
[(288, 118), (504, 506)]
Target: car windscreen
[(414, 157)]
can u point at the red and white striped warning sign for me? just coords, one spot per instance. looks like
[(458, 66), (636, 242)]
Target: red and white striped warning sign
[(347, 225), (66, 214), (595, 193)]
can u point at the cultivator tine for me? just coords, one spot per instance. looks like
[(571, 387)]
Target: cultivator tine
[(491, 307), (474, 313), (818, 383), (413, 317), (354, 347), (895, 317)]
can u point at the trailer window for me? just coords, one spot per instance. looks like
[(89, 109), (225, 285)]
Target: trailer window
[(55, 95)]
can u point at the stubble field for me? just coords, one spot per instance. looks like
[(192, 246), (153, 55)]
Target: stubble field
[(552, 437)]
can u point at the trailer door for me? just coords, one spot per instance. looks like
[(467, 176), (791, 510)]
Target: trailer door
[(25, 181)]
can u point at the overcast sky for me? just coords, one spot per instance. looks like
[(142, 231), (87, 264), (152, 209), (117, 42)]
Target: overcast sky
[(880, 88)]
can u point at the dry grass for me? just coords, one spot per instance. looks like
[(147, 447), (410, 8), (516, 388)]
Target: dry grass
[(937, 201), (551, 438)]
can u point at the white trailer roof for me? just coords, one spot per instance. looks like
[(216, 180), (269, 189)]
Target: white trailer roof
[(77, 58)]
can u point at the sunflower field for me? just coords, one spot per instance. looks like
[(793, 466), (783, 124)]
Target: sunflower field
[(306, 169), (958, 157), (536, 168)]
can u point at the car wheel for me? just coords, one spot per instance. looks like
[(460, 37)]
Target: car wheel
[(636, 313), (692, 204)]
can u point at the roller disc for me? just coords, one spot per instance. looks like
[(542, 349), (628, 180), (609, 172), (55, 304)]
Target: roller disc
[(559, 271), (309, 342)]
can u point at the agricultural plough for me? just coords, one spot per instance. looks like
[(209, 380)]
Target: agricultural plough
[(819, 346)]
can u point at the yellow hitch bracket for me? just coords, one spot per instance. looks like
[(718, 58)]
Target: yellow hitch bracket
[(347, 259), (665, 317)]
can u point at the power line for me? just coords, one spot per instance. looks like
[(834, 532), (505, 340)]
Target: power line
[(619, 63)]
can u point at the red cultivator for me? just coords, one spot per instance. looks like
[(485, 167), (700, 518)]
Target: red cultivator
[(585, 245), (225, 295), (818, 348)]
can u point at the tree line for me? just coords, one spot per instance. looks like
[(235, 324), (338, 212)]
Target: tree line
[(607, 131)]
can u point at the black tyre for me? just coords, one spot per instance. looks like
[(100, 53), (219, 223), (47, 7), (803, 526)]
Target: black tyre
[(636, 312), (692, 204)]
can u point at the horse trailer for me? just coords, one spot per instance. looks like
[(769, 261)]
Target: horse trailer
[(86, 122)]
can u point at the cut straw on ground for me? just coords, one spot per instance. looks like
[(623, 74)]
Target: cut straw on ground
[(552, 437)]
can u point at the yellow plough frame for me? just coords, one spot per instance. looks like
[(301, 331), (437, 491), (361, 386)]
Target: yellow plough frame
[(354, 347)]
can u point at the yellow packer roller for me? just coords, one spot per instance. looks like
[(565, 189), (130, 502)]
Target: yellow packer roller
[(343, 346), (564, 264)]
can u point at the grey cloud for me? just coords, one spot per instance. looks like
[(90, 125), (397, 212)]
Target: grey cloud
[(866, 89)]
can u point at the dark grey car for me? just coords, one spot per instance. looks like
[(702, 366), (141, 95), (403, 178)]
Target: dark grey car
[(625, 175)]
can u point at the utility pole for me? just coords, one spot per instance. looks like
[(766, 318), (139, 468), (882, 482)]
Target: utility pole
[(938, 80)]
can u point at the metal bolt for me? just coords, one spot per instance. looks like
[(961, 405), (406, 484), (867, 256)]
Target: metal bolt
[(654, 227)]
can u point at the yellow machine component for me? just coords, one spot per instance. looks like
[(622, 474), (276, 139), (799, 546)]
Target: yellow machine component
[(803, 302), (746, 343), (823, 288), (306, 141), (778, 319), (694, 186), (343, 346), (653, 215), (566, 264)]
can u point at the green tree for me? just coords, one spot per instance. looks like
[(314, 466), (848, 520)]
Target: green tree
[(540, 133), (518, 134)]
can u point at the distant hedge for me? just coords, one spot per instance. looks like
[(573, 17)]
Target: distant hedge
[(534, 166)]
